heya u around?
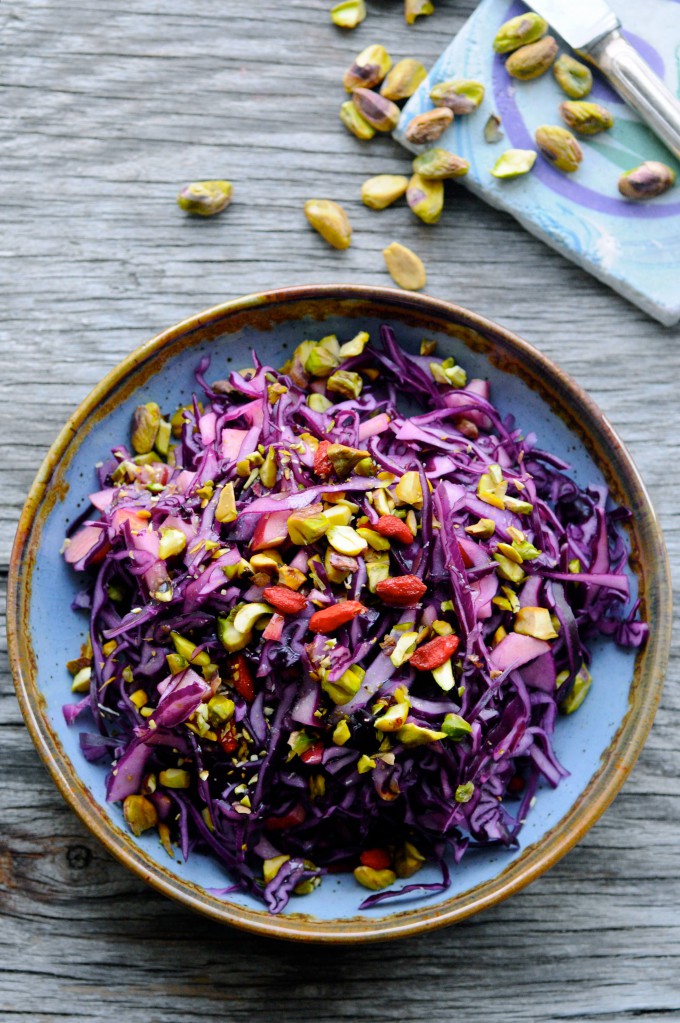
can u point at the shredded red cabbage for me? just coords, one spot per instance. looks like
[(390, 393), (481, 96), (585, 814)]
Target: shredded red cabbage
[(265, 567)]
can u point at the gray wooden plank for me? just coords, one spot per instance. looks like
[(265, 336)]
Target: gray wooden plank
[(107, 109)]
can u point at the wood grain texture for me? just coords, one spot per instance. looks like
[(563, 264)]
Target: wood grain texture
[(107, 109)]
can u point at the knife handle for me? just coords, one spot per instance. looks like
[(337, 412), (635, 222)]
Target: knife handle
[(637, 84)]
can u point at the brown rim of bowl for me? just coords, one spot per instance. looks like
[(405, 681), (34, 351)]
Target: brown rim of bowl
[(617, 761)]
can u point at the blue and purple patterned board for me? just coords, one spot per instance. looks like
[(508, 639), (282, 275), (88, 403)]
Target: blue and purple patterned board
[(633, 247)]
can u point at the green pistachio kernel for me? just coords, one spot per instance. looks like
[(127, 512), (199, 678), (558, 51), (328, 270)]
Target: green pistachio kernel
[(456, 727), (586, 118), (425, 197), (403, 80), (464, 793), (416, 735), (345, 383), (525, 28), (175, 778), (575, 78), (347, 686), (579, 691), (417, 9), (514, 162), (440, 164), (220, 710), (349, 13), (381, 191), (140, 814), (462, 95), (205, 198), (146, 421), (532, 61), (355, 122), (368, 69), (559, 147)]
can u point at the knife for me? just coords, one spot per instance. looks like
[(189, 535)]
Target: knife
[(592, 29)]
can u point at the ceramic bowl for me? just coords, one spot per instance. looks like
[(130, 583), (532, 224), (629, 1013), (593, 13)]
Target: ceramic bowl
[(598, 745)]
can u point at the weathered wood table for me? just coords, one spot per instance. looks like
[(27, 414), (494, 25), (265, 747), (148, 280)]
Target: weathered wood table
[(107, 108)]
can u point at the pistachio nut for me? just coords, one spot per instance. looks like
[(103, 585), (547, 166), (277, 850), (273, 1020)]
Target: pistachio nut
[(205, 197), (586, 118), (345, 459), (456, 727), (307, 525), (354, 122), (382, 190), (321, 361), (440, 164), (425, 196), (341, 733), (140, 814), (411, 734), (355, 345), (534, 621), (348, 14), (409, 489), (175, 778), (404, 267), (514, 162), (331, 221), (428, 127), (269, 469), (220, 710), (525, 28), (226, 504), (462, 95), (447, 372), (172, 542), (416, 9), (81, 680), (374, 879), (533, 60), (559, 147), (347, 384), (492, 129), (381, 113), (575, 78), (407, 860), (347, 686), (403, 79), (318, 402), (346, 540), (368, 69), (578, 692), (377, 569), (646, 181), (145, 422), (464, 793)]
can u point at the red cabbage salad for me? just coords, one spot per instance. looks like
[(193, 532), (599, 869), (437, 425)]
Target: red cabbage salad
[(326, 636)]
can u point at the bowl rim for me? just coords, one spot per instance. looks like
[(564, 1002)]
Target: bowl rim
[(653, 573)]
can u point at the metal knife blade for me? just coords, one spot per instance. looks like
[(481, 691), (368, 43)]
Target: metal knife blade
[(579, 22)]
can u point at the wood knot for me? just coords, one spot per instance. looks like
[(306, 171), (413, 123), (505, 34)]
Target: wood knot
[(78, 857)]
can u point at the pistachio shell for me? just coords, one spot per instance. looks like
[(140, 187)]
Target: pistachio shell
[(331, 221), (533, 60), (368, 69), (382, 190), (405, 268), (462, 95), (492, 129), (559, 147), (514, 162), (439, 163), (425, 196), (349, 13), (647, 180), (354, 122), (586, 118), (382, 114), (573, 77), (525, 28), (428, 127), (205, 198), (403, 79)]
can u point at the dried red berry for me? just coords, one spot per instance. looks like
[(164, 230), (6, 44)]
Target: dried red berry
[(435, 653), (401, 591), (242, 679), (393, 528), (331, 618), (376, 859), (322, 463), (284, 600)]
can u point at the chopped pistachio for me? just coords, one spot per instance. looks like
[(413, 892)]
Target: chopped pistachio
[(229, 636), (416, 9), (345, 459), (249, 614), (441, 628), (139, 698), (394, 718), (513, 504), (268, 561), (246, 465), (377, 569), (492, 129), (416, 735), (456, 727), (140, 814), (381, 191), (403, 80), (425, 197), (146, 421), (220, 710), (205, 198), (345, 383), (185, 648), (508, 569), (319, 402), (376, 540), (405, 647), (368, 69), (162, 443), (447, 372), (172, 542), (510, 552), (81, 680), (427, 347), (346, 540), (439, 163), (365, 764), (338, 515), (483, 528), (321, 361), (355, 122), (462, 95), (574, 565), (272, 866), (343, 689), (355, 346), (513, 163), (269, 469), (534, 621), (176, 663), (341, 733), (307, 525), (464, 793), (293, 578), (175, 778), (349, 13), (407, 860), (405, 267), (518, 31), (409, 489), (579, 691)]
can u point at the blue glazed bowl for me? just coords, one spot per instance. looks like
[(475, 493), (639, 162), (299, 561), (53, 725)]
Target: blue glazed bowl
[(598, 745)]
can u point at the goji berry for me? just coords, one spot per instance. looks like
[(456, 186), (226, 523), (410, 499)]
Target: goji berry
[(284, 600), (322, 463), (313, 754), (393, 528), (377, 859), (401, 591), (331, 618), (435, 653), (242, 679), (228, 737), (288, 820)]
